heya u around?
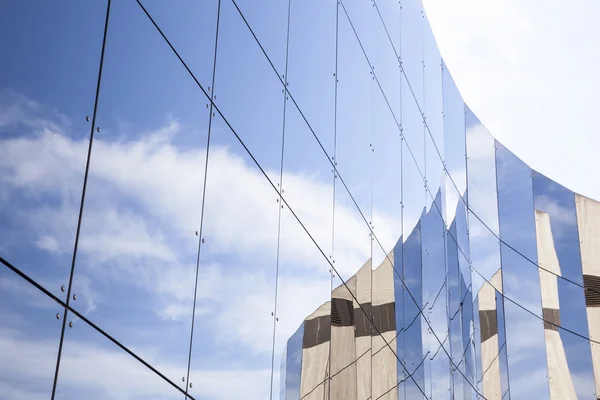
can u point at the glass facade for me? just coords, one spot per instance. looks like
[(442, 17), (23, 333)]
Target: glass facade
[(247, 199)]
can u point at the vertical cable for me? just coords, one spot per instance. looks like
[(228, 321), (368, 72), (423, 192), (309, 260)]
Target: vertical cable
[(403, 356), (423, 114), (502, 272), (83, 191), (371, 238), (334, 159), (285, 96), (210, 119), (468, 236)]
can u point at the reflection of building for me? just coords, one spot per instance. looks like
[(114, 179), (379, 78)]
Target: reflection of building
[(494, 292), (339, 355)]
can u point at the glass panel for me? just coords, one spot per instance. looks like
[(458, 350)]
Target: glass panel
[(137, 250), (268, 21), (93, 367), (461, 239), (482, 200), (382, 56), (454, 144), (190, 26), (434, 122), (476, 346), (254, 107), (304, 277), (387, 227), (502, 355), (390, 13), (235, 314), (43, 131), (520, 278), (482, 223), (435, 296), (411, 34), (413, 352), (283, 375), (387, 184), (556, 221), (455, 302), (293, 365), (354, 118), (29, 338), (311, 65), (411, 89)]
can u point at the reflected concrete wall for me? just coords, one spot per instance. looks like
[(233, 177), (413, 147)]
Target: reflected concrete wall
[(344, 356), (588, 223)]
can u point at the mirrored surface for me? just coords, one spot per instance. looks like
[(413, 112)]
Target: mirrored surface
[(95, 368), (556, 225), (45, 124), (520, 277), (29, 338), (137, 250)]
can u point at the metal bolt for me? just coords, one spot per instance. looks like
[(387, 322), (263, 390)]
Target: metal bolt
[(62, 288), (277, 319), (57, 316), (206, 105), (98, 129), (272, 313), (183, 379), (74, 297), (202, 240), (190, 384), (196, 233), (87, 118), (209, 88), (70, 324)]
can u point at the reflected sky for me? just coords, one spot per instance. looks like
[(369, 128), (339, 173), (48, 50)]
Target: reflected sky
[(138, 247)]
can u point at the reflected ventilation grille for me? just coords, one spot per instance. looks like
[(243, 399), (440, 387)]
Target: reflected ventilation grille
[(342, 312), (591, 283)]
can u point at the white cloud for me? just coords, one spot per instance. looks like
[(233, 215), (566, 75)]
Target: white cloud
[(48, 243), (141, 211), (105, 372)]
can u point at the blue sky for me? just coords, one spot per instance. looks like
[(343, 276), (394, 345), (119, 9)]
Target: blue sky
[(137, 253)]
